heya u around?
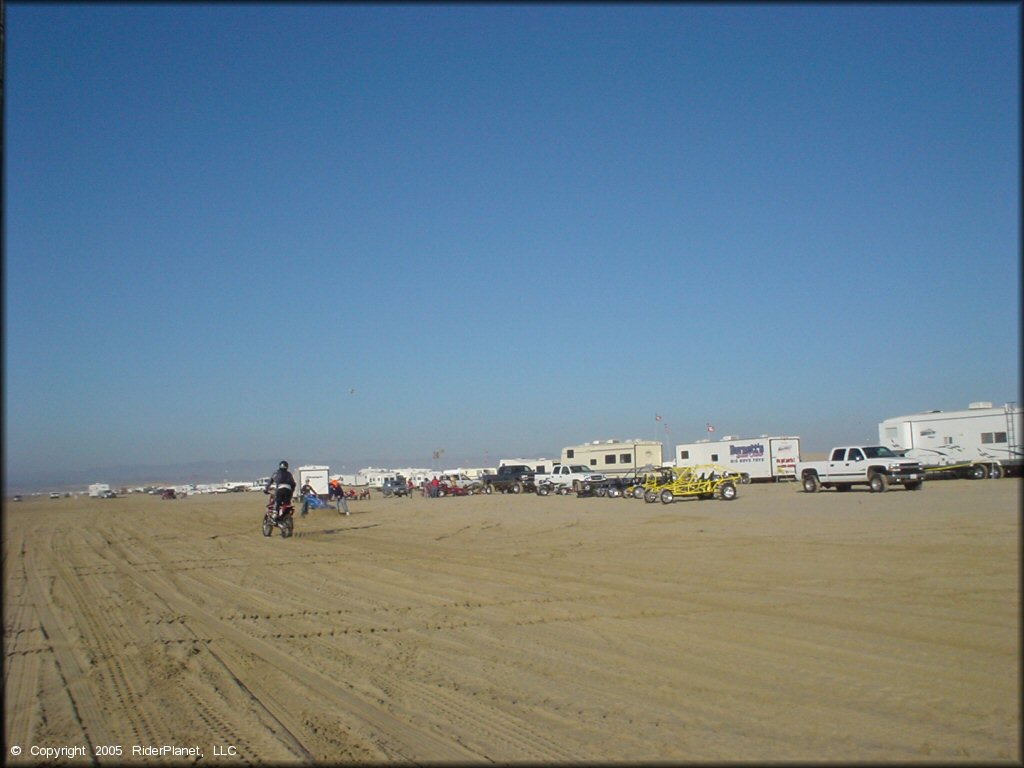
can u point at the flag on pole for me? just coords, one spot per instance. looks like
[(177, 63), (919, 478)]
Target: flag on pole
[(710, 428), (657, 417)]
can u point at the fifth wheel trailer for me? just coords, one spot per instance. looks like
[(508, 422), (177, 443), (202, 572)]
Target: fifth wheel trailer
[(759, 458), (981, 441)]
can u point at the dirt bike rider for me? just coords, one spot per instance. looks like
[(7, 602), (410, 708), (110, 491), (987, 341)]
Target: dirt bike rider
[(285, 483)]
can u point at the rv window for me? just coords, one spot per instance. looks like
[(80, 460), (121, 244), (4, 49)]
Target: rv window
[(993, 437), (593, 462), (624, 458), (609, 458), (714, 457), (570, 454), (684, 455)]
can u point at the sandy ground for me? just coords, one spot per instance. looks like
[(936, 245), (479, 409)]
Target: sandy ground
[(779, 626)]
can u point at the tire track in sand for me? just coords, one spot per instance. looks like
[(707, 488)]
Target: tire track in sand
[(395, 733)]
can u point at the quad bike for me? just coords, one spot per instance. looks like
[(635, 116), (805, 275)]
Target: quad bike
[(283, 520)]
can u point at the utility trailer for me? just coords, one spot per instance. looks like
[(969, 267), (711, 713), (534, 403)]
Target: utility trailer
[(755, 458), (979, 442)]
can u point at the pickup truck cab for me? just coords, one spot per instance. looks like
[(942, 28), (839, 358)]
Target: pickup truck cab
[(872, 465), (567, 477)]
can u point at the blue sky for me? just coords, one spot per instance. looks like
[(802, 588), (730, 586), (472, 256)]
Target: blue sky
[(507, 228)]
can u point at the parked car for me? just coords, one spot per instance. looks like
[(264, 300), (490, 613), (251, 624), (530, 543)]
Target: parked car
[(397, 486), (54, 495), (108, 495)]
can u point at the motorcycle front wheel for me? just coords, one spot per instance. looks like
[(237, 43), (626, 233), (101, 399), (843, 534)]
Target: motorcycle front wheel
[(267, 526)]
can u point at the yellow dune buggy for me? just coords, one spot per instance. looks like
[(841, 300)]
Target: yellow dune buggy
[(705, 481)]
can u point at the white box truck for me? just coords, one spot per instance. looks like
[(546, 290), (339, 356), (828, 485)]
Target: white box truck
[(757, 458), (318, 478), (978, 442)]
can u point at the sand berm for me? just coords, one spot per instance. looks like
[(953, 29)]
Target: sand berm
[(779, 626)]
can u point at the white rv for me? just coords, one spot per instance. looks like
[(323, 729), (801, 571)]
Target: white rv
[(318, 477), (98, 488), (978, 442), (614, 457), (758, 458)]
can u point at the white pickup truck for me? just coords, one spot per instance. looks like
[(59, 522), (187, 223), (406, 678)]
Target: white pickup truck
[(872, 465), (566, 477)]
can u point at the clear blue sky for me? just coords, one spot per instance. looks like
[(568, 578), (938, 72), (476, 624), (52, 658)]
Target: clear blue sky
[(507, 228)]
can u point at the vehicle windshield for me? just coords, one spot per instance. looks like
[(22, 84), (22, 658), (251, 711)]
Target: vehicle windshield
[(578, 468), (879, 452)]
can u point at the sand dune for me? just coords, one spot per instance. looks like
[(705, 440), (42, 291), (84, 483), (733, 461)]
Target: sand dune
[(779, 626)]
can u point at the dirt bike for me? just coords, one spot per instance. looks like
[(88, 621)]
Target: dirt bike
[(284, 520)]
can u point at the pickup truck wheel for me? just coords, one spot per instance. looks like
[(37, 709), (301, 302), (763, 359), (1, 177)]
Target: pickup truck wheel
[(878, 482), (811, 483), (727, 491), (667, 497), (488, 489), (517, 487)]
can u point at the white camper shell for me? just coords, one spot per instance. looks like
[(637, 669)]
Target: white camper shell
[(318, 478), (979, 442), (756, 458)]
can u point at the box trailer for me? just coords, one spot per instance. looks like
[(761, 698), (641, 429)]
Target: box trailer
[(978, 442), (757, 458), (614, 457), (317, 477)]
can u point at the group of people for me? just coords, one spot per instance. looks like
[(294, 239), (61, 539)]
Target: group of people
[(283, 483)]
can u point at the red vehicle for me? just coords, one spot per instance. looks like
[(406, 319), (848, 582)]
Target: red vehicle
[(450, 490)]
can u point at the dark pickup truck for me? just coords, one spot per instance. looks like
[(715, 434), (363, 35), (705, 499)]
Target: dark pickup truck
[(511, 478)]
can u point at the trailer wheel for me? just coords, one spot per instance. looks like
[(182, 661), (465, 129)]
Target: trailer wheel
[(727, 491), (977, 472), (996, 472), (878, 482), (667, 497), (811, 483)]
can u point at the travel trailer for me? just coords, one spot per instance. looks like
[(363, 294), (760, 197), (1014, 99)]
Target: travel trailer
[(978, 442), (97, 489), (318, 478), (614, 457), (757, 458)]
